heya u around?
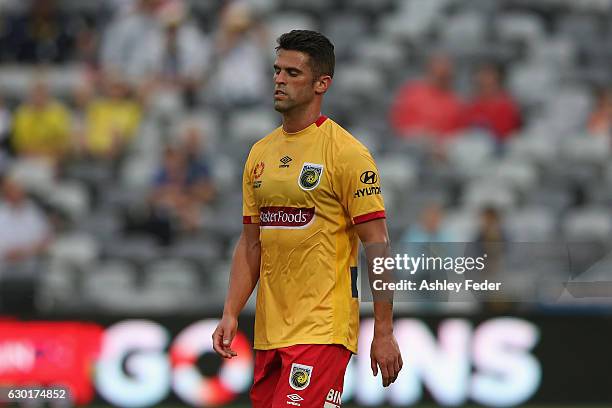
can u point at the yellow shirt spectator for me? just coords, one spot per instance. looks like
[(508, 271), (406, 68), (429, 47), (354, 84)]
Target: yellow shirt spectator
[(110, 123), (43, 130)]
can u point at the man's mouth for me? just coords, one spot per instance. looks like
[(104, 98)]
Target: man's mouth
[(278, 94)]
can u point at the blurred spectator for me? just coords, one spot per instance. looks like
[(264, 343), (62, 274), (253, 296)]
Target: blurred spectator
[(181, 57), (600, 121), (429, 106), (241, 76), (41, 126), (87, 42), (5, 127), (42, 34), (111, 121), (128, 41), (491, 238), (492, 107), (24, 229), (25, 234), (429, 227), (491, 226), (181, 187)]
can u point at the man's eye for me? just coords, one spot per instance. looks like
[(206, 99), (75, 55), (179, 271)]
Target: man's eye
[(293, 73)]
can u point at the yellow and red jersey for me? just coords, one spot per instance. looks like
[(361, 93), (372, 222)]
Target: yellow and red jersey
[(307, 190)]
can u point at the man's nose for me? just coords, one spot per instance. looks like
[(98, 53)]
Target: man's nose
[(280, 78)]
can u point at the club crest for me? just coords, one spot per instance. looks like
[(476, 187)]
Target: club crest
[(310, 176), (299, 378)]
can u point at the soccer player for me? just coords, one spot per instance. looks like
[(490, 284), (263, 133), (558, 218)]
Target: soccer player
[(310, 191)]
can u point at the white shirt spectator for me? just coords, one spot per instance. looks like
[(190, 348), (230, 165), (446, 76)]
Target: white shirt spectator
[(21, 226)]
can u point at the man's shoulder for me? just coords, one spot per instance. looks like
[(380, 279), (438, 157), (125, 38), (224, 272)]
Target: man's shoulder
[(265, 141), (345, 142)]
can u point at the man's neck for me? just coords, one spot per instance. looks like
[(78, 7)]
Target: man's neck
[(295, 121)]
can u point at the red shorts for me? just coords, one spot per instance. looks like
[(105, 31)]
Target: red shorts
[(304, 375)]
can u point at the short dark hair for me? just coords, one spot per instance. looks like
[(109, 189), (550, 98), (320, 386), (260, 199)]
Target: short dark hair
[(315, 45)]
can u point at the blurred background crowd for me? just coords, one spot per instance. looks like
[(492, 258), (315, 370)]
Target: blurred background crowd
[(124, 126)]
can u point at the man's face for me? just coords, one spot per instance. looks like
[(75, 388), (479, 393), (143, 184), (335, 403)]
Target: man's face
[(294, 83), (440, 70)]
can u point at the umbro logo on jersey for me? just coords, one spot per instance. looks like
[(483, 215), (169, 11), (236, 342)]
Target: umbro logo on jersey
[(284, 162)]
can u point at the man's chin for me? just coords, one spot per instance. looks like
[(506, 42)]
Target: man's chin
[(280, 107)]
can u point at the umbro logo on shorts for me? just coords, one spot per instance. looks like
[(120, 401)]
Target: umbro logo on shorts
[(294, 399)]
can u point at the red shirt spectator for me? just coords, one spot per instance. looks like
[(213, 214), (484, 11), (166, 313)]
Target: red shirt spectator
[(428, 106), (492, 107)]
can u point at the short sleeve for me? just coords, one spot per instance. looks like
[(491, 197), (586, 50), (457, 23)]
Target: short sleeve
[(357, 184), (250, 212)]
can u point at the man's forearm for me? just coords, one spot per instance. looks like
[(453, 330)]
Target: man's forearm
[(383, 317), (243, 277)]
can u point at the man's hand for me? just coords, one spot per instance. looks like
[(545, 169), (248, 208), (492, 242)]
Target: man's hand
[(224, 335), (385, 354)]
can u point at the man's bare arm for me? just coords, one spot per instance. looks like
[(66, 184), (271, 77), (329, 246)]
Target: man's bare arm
[(243, 278), (384, 352)]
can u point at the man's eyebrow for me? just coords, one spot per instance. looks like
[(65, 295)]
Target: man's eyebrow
[(299, 71)]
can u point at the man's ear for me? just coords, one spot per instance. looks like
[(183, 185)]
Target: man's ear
[(322, 84)]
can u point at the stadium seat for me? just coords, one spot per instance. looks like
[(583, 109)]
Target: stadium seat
[(386, 53), (461, 224), (279, 23), (397, 172), (111, 286), (138, 171), (35, 175), (16, 80), (588, 224), (585, 149), (537, 147), (485, 193), (248, 126), (342, 30), (570, 107), (103, 224), (358, 81), (464, 31), (173, 275), (141, 248), (559, 52), (531, 224), (58, 287), (468, 152), (201, 249), (71, 198), (260, 7), (76, 249), (317, 6), (522, 26), (520, 174), (413, 19), (372, 7), (533, 83)]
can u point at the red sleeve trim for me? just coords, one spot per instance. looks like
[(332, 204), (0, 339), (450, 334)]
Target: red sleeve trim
[(320, 121), (247, 219), (369, 217)]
